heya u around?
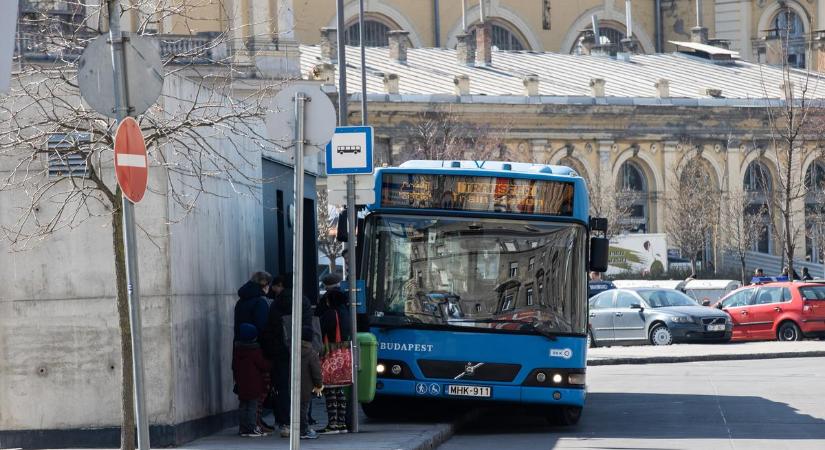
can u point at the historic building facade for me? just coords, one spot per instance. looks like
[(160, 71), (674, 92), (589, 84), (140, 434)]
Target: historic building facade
[(752, 27), (629, 122)]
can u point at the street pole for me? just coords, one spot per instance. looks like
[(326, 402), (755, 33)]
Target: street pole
[(351, 224), (121, 93), (297, 278), (363, 63)]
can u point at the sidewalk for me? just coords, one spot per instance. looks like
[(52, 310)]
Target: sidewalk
[(373, 435), (649, 354)]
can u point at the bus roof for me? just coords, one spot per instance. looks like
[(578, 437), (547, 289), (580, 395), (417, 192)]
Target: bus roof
[(492, 166)]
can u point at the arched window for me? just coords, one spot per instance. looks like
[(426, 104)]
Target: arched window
[(576, 165), (815, 212), (504, 37), (375, 34), (790, 29), (609, 33), (633, 194), (757, 184)]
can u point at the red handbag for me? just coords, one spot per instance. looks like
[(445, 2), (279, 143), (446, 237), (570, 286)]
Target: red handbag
[(336, 363)]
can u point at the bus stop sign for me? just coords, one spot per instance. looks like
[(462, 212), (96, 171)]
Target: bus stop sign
[(350, 151), (131, 164)]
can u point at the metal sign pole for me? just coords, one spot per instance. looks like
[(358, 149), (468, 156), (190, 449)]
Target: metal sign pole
[(351, 276), (132, 279), (297, 277)]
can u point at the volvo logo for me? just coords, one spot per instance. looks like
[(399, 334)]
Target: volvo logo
[(469, 370)]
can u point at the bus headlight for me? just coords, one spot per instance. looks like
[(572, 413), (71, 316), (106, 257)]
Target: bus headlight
[(540, 377), (576, 379), (380, 368), (396, 369), (557, 378)]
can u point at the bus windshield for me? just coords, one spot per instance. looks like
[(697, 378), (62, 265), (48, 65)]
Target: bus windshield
[(496, 274)]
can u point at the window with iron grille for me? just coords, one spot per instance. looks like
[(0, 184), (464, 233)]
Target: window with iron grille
[(375, 34), (67, 157), (502, 38)]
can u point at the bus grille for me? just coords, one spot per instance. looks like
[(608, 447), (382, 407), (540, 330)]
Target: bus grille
[(458, 370)]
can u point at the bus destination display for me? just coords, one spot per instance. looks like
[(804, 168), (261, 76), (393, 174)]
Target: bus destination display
[(473, 193)]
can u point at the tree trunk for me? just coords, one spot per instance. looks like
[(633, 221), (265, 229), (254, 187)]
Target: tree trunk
[(742, 262), (127, 430), (693, 266)]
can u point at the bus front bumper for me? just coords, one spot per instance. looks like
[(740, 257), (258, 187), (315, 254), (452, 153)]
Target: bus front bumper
[(498, 392)]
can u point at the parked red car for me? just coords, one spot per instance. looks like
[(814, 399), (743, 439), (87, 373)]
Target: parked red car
[(785, 311)]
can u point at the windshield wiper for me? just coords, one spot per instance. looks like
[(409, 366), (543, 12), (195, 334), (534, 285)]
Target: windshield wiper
[(533, 326)]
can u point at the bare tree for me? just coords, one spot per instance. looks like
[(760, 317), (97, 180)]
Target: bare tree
[(793, 120), (441, 135), (741, 226), (204, 134), (610, 203), (327, 221), (692, 210)]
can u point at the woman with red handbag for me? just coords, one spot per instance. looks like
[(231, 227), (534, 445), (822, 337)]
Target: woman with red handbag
[(333, 311)]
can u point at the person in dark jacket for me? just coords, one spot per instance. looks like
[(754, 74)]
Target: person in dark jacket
[(273, 343), (311, 380), (249, 367), (333, 309), (252, 306)]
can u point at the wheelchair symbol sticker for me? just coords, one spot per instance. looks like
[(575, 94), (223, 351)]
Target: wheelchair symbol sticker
[(435, 389), (420, 388)]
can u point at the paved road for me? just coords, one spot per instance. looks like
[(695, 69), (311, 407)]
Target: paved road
[(756, 404)]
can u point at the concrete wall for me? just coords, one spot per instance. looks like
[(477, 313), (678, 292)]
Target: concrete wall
[(59, 345)]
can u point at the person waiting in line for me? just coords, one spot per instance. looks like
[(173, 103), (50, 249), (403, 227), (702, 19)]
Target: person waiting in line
[(274, 345), (596, 285), (759, 272), (311, 380), (806, 275), (333, 310), (252, 305), (252, 308), (249, 368)]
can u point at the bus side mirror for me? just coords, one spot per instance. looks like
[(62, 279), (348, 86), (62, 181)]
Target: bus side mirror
[(598, 254)]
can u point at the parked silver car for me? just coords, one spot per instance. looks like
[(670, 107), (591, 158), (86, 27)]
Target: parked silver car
[(654, 315)]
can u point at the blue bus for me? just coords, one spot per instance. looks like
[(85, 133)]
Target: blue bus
[(476, 284)]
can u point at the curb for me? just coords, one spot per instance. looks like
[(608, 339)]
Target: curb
[(694, 358), (443, 432)]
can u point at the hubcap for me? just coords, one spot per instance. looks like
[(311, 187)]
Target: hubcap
[(661, 336), (789, 334)]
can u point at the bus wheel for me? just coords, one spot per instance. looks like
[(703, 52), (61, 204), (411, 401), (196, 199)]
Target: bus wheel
[(379, 408), (565, 415)]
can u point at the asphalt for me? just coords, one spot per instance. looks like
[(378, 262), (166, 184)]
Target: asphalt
[(649, 354), (749, 404)]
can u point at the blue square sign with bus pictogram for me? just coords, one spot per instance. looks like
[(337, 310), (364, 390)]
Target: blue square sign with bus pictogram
[(350, 151)]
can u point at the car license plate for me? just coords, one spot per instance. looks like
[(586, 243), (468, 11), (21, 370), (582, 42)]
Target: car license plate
[(469, 391), (716, 327)]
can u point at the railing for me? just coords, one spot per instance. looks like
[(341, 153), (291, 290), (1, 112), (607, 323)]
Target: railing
[(53, 42)]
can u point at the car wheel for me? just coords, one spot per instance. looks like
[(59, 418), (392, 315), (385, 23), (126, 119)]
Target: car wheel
[(660, 335), (591, 343), (565, 415), (788, 331)]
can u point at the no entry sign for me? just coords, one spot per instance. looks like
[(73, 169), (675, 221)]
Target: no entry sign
[(131, 164)]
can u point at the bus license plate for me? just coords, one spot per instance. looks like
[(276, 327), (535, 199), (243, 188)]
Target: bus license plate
[(716, 327), (469, 391)]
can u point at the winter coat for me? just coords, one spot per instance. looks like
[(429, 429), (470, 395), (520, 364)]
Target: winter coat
[(249, 368), (273, 340), (251, 307), (310, 370), (334, 302)]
